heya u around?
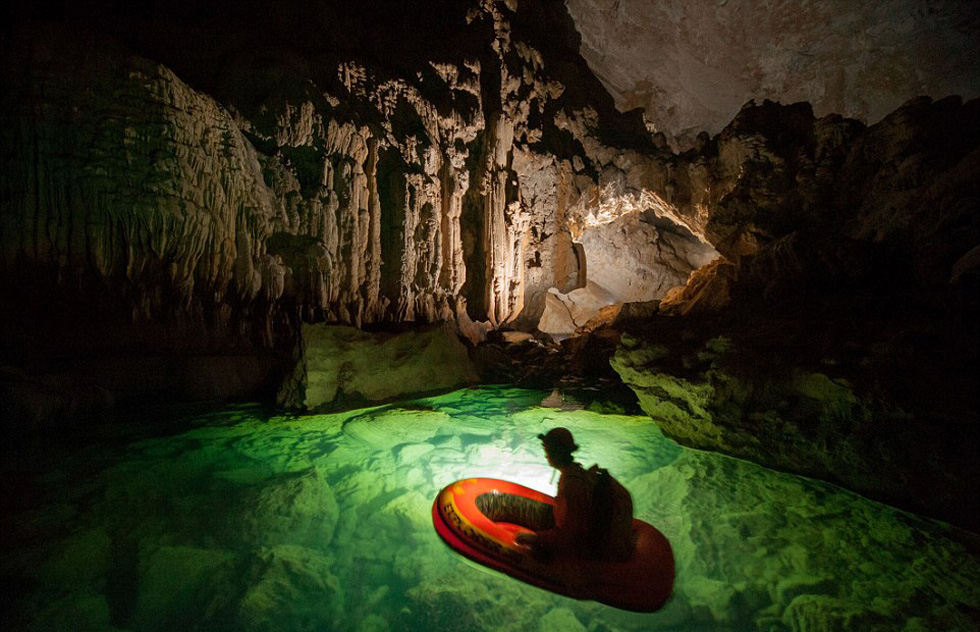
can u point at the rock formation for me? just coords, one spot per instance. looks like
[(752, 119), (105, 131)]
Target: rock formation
[(323, 188), (838, 338), (633, 258), (345, 367), (190, 181), (690, 65), (218, 202)]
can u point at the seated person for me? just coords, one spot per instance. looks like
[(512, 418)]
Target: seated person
[(593, 512)]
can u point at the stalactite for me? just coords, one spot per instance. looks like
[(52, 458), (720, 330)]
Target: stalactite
[(344, 203)]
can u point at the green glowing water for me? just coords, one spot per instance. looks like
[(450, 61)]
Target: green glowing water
[(237, 521)]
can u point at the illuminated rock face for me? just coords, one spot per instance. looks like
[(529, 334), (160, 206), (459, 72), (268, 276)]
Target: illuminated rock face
[(287, 194), (140, 180), (125, 175), (692, 64), (344, 366), (465, 187), (635, 258)]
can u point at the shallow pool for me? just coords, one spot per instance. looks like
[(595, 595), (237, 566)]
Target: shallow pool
[(238, 520)]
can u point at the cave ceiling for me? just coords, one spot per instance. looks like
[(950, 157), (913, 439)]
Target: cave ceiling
[(690, 65)]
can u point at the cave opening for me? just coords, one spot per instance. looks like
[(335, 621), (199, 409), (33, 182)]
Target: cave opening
[(623, 254)]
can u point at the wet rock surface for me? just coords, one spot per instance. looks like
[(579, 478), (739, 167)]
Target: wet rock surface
[(866, 413), (340, 367), (838, 338)]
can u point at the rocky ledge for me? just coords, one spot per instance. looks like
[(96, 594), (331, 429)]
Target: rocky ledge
[(838, 338)]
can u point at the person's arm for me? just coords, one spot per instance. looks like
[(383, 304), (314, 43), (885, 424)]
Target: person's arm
[(574, 529), (573, 505)]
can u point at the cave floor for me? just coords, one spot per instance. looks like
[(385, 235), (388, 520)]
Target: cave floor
[(240, 519)]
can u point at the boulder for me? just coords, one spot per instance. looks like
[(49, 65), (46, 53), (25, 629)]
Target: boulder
[(343, 366), (564, 313)]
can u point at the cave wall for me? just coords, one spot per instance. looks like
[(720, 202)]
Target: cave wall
[(213, 200), (837, 337), (351, 194), (293, 174)]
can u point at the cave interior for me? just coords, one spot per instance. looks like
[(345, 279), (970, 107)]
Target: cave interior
[(765, 242)]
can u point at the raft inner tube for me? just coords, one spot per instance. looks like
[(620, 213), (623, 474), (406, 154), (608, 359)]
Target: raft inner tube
[(512, 510)]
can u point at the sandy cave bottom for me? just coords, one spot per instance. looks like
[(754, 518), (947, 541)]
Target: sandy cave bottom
[(235, 519)]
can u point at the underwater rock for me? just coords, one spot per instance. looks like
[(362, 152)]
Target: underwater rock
[(79, 611), (81, 560), (343, 366), (373, 623), (411, 452), (479, 602), (822, 612), (812, 560), (755, 548), (295, 508), (406, 428), (560, 620), (411, 512), (292, 586), (174, 584)]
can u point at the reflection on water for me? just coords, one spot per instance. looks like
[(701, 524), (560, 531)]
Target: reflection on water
[(237, 521)]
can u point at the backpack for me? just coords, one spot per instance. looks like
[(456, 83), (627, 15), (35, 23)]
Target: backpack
[(612, 512)]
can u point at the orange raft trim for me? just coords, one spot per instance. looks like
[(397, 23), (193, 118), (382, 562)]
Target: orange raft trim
[(460, 516)]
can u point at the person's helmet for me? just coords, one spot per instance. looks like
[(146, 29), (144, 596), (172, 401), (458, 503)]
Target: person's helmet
[(559, 440)]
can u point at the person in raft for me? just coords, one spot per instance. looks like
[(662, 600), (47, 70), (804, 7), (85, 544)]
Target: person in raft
[(593, 512)]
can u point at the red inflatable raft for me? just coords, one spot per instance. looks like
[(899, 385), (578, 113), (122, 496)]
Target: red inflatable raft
[(480, 517)]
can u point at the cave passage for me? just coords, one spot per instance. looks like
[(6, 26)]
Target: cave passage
[(629, 252), (237, 520)]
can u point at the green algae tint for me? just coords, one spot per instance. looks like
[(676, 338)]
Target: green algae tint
[(237, 521)]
